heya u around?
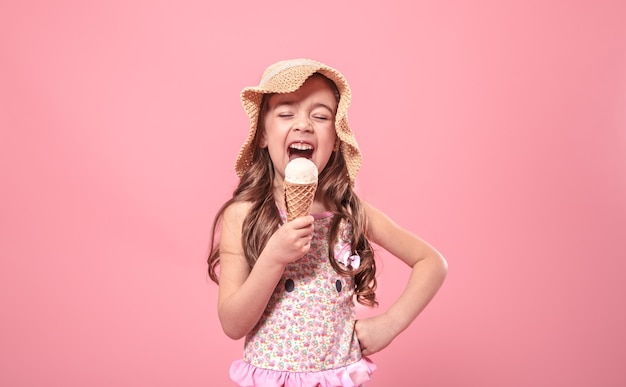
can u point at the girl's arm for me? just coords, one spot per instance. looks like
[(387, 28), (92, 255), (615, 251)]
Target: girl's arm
[(244, 292), (429, 270)]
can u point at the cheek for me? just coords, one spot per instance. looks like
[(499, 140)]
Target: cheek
[(330, 140), (270, 133)]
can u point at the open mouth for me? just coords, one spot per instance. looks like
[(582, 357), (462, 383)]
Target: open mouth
[(300, 149)]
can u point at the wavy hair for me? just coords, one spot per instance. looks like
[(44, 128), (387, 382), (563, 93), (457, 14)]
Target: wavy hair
[(334, 190)]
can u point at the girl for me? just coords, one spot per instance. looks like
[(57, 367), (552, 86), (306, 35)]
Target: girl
[(289, 287)]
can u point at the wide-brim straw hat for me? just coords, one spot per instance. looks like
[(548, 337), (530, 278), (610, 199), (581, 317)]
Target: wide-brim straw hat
[(288, 76)]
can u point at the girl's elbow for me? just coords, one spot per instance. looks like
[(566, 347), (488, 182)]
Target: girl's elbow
[(233, 331), (443, 267)]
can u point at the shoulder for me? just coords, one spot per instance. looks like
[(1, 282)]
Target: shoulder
[(232, 220), (380, 227), (400, 242), (236, 211)]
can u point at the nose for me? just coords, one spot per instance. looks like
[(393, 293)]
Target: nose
[(303, 124)]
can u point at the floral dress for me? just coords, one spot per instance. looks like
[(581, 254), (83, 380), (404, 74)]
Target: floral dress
[(306, 335)]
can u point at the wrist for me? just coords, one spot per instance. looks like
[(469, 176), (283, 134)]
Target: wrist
[(271, 263), (397, 320)]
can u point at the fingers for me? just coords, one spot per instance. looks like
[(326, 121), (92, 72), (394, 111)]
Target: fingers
[(302, 236), (356, 329), (367, 351), (368, 347), (295, 237), (303, 226), (302, 222), (305, 242)]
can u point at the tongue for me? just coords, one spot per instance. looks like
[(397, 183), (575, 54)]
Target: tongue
[(295, 153)]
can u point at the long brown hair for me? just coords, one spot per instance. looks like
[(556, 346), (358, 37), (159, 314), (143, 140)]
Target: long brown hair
[(334, 190)]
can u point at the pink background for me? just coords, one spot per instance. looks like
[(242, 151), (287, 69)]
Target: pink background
[(495, 130)]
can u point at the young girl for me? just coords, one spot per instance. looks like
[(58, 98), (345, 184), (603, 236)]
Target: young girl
[(289, 287)]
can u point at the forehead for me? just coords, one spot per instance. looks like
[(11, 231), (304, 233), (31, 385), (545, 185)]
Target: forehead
[(316, 87)]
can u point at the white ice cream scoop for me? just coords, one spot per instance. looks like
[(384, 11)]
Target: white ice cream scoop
[(301, 171)]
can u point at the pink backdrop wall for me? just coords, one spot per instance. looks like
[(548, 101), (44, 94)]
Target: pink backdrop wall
[(497, 131)]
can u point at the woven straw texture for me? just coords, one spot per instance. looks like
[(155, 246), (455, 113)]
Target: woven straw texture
[(298, 199), (286, 77)]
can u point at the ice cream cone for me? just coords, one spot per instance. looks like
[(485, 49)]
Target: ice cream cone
[(300, 185), (298, 199)]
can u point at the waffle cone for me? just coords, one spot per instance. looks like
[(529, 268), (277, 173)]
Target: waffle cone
[(298, 199)]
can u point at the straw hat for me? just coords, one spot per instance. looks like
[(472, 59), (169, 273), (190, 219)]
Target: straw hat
[(285, 77)]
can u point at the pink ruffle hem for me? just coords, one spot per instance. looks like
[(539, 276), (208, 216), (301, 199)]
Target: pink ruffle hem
[(352, 375)]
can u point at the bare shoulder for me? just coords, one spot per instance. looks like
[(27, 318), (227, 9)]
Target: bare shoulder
[(237, 211), (399, 241), (379, 225), (232, 222)]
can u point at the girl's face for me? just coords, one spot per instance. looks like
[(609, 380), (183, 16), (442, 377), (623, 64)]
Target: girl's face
[(301, 124)]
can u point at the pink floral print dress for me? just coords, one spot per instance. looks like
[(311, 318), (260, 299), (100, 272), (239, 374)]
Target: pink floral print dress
[(306, 335)]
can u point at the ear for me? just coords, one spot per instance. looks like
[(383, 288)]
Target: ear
[(262, 139)]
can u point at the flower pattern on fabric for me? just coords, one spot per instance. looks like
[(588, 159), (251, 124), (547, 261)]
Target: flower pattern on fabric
[(343, 249), (308, 324)]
